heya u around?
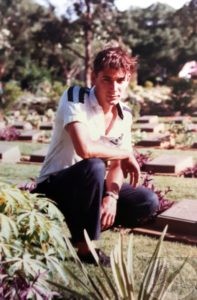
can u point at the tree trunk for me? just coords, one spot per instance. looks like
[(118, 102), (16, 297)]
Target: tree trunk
[(88, 43)]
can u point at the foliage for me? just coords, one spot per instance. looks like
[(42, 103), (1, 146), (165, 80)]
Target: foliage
[(156, 282), (182, 94), (32, 243), (37, 43), (9, 133), (164, 203), (181, 134), (142, 158), (12, 91), (190, 172)]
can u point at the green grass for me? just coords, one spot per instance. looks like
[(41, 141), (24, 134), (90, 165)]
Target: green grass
[(156, 152), (182, 188)]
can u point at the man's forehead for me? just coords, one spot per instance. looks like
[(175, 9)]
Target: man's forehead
[(111, 72)]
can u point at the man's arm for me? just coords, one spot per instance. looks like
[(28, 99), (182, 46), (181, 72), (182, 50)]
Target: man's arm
[(114, 181), (87, 148)]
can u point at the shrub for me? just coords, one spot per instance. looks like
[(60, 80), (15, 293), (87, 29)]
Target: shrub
[(32, 243), (182, 94), (12, 91), (9, 133)]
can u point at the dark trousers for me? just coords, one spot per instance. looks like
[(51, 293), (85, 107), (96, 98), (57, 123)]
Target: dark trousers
[(78, 191)]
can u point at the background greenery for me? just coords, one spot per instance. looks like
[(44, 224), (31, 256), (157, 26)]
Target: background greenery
[(35, 43)]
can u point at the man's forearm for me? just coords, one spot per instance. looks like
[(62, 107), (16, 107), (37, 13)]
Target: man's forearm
[(114, 179)]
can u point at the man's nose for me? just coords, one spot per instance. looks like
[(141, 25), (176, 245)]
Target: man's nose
[(114, 86)]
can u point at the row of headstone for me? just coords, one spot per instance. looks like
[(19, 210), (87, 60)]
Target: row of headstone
[(155, 131), (168, 164), (24, 126)]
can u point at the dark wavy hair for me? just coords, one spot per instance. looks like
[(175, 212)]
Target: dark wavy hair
[(115, 58)]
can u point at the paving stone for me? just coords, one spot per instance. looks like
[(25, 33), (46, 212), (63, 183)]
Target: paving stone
[(150, 127), (148, 119), (181, 217), (153, 140), (30, 135), (168, 164), (39, 155), (46, 126), (9, 153)]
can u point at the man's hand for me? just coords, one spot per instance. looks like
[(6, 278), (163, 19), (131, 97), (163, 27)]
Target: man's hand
[(130, 166), (108, 212)]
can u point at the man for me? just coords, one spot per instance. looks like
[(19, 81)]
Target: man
[(93, 130)]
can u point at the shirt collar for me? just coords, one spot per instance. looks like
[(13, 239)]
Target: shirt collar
[(94, 103)]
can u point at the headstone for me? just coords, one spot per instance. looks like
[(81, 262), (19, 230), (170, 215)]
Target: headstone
[(148, 119), (168, 164), (181, 119), (9, 153), (18, 125), (151, 127), (30, 135), (192, 127), (181, 217), (39, 155), (194, 145), (46, 126), (153, 140)]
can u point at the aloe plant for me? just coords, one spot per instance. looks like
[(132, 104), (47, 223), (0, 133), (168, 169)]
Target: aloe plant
[(156, 281)]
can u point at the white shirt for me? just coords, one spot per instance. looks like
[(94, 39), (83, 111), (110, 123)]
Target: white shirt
[(61, 153)]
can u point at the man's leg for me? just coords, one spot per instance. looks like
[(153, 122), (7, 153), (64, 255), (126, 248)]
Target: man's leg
[(135, 204), (78, 192)]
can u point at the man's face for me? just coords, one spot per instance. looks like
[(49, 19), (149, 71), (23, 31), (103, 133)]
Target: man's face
[(110, 85)]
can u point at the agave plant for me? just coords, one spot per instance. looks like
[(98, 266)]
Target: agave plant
[(123, 276)]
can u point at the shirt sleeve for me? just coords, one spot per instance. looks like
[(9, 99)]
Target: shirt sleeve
[(72, 111)]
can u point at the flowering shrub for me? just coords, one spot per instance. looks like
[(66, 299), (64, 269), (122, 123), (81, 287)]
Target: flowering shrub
[(164, 203), (9, 133), (142, 158), (190, 172)]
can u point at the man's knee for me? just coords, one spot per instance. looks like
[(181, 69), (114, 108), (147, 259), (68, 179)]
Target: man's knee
[(96, 167), (151, 200)]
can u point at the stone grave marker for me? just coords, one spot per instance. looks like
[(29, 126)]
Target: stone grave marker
[(46, 126), (9, 153), (150, 127), (168, 164), (18, 125), (148, 119), (181, 218), (181, 119), (39, 155), (192, 127), (30, 135), (155, 139), (194, 145)]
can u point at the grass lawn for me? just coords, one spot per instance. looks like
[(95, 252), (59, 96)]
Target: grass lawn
[(175, 253)]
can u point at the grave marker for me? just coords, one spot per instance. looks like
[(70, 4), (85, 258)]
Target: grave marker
[(148, 119), (168, 164), (39, 155), (181, 218), (150, 127), (30, 135), (9, 153), (46, 126), (153, 140)]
